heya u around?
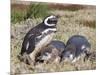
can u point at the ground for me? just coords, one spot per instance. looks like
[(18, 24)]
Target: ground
[(70, 23)]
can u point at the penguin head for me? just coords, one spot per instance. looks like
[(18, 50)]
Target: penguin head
[(43, 57), (69, 53), (46, 56), (51, 20), (48, 53)]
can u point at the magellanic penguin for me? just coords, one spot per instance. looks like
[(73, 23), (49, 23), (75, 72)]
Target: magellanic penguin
[(52, 52), (38, 37), (76, 47)]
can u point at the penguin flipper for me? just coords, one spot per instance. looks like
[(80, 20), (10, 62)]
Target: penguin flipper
[(28, 45)]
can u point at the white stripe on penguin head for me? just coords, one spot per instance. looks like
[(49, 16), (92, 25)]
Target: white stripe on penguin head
[(45, 21), (49, 29), (46, 31)]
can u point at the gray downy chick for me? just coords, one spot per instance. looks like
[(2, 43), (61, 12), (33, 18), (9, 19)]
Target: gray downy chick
[(52, 52), (76, 47)]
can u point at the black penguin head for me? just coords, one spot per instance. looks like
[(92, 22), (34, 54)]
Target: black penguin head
[(51, 20)]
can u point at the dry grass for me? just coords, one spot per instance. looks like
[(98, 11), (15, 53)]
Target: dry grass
[(71, 22)]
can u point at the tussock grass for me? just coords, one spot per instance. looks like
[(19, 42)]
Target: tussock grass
[(21, 12)]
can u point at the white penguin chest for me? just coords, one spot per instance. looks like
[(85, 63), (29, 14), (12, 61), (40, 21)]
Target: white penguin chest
[(46, 40), (42, 43)]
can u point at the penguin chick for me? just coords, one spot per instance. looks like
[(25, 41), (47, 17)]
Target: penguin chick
[(76, 47), (52, 52)]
